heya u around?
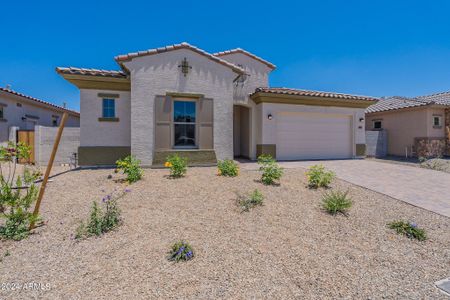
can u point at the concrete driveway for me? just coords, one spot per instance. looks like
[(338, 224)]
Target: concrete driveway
[(424, 188)]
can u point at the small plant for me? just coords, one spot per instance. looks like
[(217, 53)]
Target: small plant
[(271, 171), (101, 220), (228, 168), (131, 167), (336, 202), (437, 164), (256, 198), (181, 251), (17, 193), (177, 165), (409, 229), (319, 177)]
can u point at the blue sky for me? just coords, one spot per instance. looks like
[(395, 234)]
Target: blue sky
[(375, 48)]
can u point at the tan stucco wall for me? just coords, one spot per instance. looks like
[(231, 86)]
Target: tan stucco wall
[(96, 133), (13, 114), (404, 125)]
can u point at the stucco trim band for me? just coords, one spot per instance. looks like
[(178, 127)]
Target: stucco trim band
[(101, 155), (98, 83), (270, 149), (305, 100)]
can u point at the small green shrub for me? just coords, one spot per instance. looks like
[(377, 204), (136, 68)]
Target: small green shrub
[(131, 167), (177, 165), (271, 171), (228, 168), (336, 202), (101, 220), (17, 193), (409, 229), (256, 198), (180, 251), (319, 177)]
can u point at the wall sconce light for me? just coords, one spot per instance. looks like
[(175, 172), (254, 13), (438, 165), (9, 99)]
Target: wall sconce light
[(361, 119), (269, 116)]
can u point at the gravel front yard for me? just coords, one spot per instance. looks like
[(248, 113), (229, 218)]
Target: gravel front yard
[(287, 248)]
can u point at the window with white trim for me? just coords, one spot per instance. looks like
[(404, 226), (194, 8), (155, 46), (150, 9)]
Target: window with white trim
[(437, 121), (377, 124)]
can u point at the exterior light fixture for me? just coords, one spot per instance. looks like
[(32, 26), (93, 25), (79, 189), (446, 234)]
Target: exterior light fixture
[(361, 119), (269, 116), (185, 67)]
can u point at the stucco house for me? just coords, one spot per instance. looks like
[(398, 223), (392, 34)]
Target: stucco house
[(24, 112), (418, 126), (207, 106)]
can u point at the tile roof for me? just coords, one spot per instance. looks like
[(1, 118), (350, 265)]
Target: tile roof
[(184, 45), (91, 72), (439, 98), (239, 50), (309, 93), (57, 107), (396, 102)]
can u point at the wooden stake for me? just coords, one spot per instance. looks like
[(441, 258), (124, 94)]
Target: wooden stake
[(49, 166)]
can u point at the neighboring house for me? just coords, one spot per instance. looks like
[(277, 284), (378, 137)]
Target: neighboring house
[(23, 112), (417, 126), (181, 99)]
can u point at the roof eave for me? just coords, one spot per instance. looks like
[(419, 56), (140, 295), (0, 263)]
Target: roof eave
[(265, 97)]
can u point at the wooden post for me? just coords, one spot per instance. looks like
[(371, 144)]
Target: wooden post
[(49, 166)]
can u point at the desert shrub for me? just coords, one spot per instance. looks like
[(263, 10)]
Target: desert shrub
[(437, 164), (256, 198), (227, 167), (271, 171), (177, 165), (17, 193), (130, 166), (318, 176), (101, 220), (409, 229), (336, 202), (181, 251)]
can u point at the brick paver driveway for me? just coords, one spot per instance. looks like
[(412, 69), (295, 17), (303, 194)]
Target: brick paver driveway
[(425, 188)]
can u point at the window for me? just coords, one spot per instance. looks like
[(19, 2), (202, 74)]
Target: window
[(1, 112), (109, 108), (437, 121), (184, 118), (55, 121), (377, 124)]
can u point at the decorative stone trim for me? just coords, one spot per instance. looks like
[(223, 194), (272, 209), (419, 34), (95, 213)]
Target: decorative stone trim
[(360, 149), (430, 147), (105, 95), (270, 149), (100, 155), (108, 119), (195, 157)]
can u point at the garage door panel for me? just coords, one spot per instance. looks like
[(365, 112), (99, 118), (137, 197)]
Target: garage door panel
[(313, 136)]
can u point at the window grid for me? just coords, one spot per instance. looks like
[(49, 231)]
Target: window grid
[(109, 109)]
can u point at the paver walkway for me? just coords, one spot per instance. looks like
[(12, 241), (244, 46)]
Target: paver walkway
[(425, 188)]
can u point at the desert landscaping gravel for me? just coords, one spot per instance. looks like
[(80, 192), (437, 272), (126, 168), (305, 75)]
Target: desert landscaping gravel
[(287, 248)]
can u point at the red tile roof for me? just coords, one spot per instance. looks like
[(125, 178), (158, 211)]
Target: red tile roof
[(309, 93), (91, 72), (38, 101), (239, 50), (129, 56)]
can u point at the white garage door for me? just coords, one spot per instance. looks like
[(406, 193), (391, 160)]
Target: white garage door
[(313, 136)]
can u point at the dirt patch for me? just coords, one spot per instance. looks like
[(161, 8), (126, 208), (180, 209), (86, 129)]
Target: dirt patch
[(287, 248)]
